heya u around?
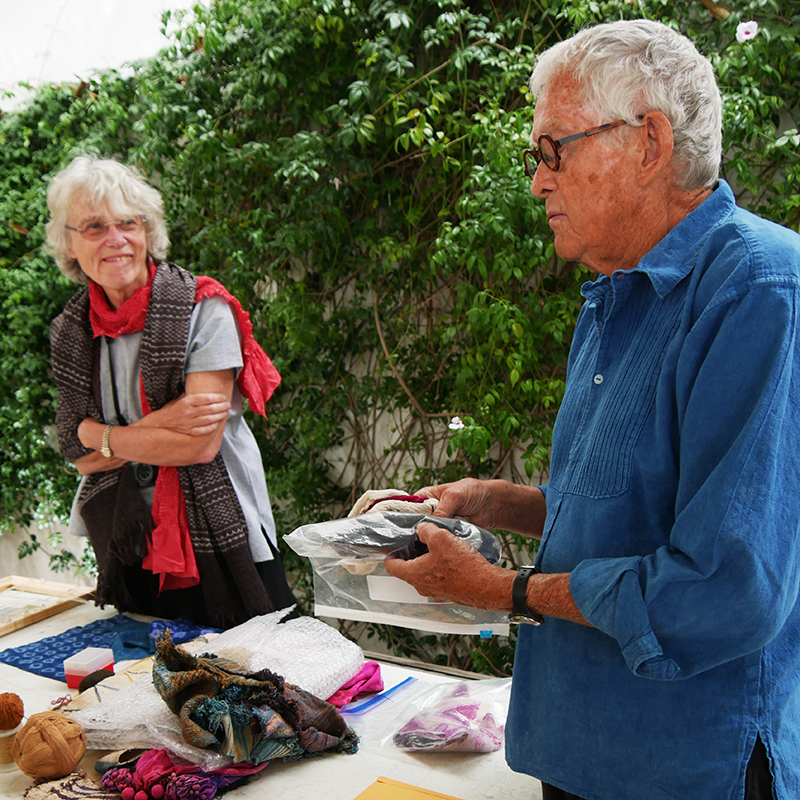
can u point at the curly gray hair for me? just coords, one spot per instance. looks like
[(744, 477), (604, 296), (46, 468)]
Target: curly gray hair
[(102, 183), (629, 67)]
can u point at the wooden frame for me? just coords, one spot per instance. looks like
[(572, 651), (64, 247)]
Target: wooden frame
[(63, 596)]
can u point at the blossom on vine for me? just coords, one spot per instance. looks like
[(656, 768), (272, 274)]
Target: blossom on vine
[(456, 424), (746, 30)]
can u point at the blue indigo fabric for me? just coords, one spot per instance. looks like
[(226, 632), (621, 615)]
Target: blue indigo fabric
[(46, 657), (674, 504), (128, 638)]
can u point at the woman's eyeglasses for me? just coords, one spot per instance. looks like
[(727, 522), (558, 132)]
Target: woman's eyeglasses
[(547, 150), (97, 230)]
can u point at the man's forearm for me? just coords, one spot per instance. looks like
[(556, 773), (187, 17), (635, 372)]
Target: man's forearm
[(548, 595), (519, 508)]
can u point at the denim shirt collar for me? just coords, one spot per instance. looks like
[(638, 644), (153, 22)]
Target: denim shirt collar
[(673, 258)]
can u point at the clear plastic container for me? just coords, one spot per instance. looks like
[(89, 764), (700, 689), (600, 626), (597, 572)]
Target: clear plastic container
[(89, 660)]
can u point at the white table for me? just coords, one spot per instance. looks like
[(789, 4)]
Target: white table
[(330, 777)]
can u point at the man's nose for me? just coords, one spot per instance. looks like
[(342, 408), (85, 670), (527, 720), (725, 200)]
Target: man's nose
[(542, 180)]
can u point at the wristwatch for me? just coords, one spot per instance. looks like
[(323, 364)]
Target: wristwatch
[(520, 613), (104, 448)]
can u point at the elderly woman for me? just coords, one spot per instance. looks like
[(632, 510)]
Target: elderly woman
[(151, 365), (658, 652)]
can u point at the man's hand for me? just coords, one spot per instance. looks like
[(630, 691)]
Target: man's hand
[(468, 498), (453, 570), (491, 504)]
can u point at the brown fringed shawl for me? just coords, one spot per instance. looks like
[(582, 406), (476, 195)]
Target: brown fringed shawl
[(116, 515)]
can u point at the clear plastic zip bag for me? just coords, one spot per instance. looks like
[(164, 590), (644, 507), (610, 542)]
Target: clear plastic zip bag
[(350, 581), (418, 716)]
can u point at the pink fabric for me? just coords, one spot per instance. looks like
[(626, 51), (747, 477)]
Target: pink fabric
[(367, 681), (409, 498), (155, 765)]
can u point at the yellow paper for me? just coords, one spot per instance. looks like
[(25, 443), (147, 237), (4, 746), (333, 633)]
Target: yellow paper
[(387, 789)]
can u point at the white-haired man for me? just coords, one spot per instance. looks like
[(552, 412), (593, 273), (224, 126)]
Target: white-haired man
[(668, 663)]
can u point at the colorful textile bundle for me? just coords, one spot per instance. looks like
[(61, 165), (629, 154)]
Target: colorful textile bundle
[(252, 717), (155, 775), (457, 722)]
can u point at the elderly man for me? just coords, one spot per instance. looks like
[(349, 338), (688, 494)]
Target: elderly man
[(668, 661)]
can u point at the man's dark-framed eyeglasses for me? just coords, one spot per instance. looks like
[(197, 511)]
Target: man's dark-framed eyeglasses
[(97, 229), (547, 150)]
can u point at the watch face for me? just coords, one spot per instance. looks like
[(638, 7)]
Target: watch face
[(518, 619)]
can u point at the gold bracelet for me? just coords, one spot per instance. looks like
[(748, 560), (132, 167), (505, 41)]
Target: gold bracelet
[(104, 448)]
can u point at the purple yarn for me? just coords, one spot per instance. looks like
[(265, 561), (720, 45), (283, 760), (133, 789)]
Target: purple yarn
[(117, 779), (190, 787)]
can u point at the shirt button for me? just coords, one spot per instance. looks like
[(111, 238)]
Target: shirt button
[(598, 379)]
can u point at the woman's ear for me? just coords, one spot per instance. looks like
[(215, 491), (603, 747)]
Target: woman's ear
[(658, 144)]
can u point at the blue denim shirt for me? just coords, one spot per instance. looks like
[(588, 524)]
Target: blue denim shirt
[(674, 504)]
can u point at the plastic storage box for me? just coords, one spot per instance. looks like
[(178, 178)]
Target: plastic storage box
[(87, 661)]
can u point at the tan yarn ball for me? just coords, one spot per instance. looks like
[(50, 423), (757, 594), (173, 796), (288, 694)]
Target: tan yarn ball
[(11, 711), (49, 746)]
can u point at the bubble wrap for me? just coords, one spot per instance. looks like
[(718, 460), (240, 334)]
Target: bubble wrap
[(304, 651)]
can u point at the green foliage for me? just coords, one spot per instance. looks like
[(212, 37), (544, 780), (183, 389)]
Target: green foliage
[(351, 171)]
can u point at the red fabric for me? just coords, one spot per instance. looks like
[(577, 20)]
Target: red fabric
[(170, 554), (411, 498), (258, 379), (128, 318), (367, 681)]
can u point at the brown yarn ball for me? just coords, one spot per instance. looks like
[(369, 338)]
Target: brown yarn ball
[(49, 746), (11, 711)]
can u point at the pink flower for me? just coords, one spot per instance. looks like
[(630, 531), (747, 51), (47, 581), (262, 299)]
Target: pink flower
[(456, 424), (746, 30)]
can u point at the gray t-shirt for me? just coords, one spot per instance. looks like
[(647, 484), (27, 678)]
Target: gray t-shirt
[(214, 343)]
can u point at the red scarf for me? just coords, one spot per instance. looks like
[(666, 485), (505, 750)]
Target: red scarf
[(170, 554)]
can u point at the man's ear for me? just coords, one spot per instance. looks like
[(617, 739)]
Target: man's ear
[(658, 144)]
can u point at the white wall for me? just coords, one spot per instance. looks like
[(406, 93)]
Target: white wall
[(37, 565)]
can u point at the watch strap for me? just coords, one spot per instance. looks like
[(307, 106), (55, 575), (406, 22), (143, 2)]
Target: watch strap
[(520, 613), (105, 449)]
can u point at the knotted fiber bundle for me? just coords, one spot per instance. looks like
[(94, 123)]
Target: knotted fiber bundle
[(49, 746), (11, 717), (11, 711)]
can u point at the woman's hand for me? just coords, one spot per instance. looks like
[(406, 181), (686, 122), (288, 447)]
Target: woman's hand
[(186, 431), (193, 414)]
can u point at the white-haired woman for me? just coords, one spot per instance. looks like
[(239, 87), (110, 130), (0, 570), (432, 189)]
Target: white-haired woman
[(151, 364)]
